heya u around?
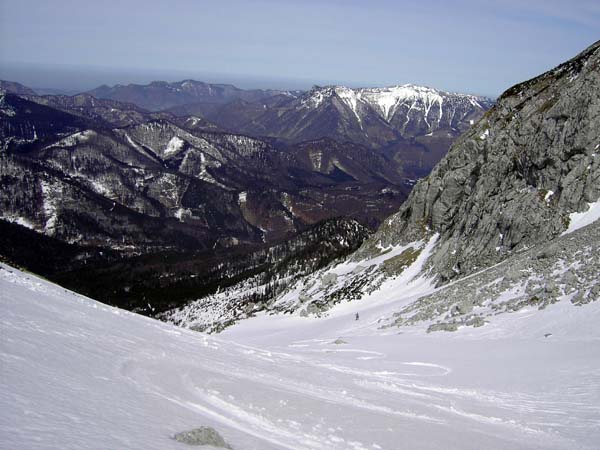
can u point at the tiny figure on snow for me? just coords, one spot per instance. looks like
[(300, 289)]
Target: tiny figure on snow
[(356, 317)]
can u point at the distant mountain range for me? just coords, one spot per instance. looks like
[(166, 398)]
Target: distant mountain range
[(374, 117), (411, 124), (16, 88), (161, 95), (96, 169), (276, 160)]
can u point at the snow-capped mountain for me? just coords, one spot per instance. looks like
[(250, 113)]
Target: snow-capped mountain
[(376, 117), (412, 110), (414, 125)]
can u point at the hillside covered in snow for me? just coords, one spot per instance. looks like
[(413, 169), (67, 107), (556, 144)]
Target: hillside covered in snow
[(77, 374)]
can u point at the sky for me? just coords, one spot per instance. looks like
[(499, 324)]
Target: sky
[(475, 46)]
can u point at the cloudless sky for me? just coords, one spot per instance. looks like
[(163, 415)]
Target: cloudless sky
[(475, 46)]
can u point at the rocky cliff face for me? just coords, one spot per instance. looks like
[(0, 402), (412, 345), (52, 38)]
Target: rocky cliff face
[(512, 180)]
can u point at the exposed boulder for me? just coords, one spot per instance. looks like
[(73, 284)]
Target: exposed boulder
[(202, 436), (329, 279)]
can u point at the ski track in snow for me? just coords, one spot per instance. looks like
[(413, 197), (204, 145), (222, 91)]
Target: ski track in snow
[(78, 374)]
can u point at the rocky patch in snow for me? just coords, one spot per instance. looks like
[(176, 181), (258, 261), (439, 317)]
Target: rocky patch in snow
[(205, 436), (565, 269)]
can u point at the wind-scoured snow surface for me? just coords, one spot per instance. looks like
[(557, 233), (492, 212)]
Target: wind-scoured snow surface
[(77, 374)]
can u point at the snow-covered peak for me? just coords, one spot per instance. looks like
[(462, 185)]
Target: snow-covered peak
[(316, 96), (351, 97), (386, 100), (408, 91)]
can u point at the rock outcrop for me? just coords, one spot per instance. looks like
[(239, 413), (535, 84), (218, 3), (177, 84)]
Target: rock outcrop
[(512, 180), (533, 279), (202, 436)]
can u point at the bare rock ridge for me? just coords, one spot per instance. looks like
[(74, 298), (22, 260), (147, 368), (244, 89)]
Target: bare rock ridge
[(533, 279), (512, 180)]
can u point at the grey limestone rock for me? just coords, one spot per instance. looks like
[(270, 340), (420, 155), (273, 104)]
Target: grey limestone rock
[(304, 298), (570, 273), (202, 436), (511, 181), (313, 309), (329, 279), (463, 307), (442, 327), (358, 269)]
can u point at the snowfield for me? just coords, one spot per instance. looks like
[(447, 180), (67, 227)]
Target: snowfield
[(580, 220), (77, 374)]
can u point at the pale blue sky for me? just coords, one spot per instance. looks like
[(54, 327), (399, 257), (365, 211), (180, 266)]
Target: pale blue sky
[(465, 45)]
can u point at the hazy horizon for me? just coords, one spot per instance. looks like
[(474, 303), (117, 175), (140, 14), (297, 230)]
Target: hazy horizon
[(473, 47), (81, 78), (73, 79)]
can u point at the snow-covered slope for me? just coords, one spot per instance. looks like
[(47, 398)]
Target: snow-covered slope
[(410, 109), (76, 374), (388, 101)]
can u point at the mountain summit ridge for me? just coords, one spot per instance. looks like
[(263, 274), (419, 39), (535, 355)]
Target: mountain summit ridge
[(160, 95), (388, 100)]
